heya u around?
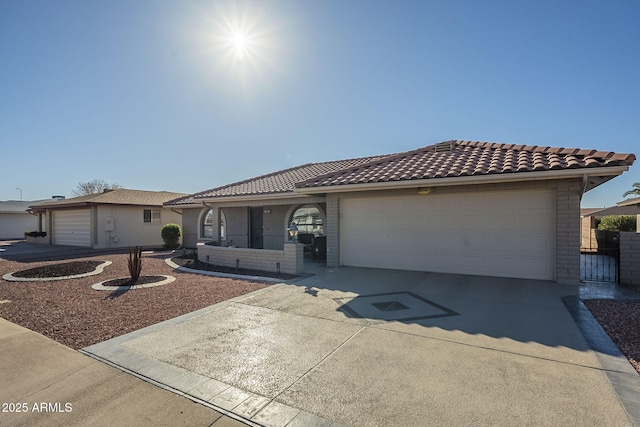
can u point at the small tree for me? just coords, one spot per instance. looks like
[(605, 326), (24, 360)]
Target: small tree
[(618, 223), (633, 192), (93, 187), (135, 263), (171, 235)]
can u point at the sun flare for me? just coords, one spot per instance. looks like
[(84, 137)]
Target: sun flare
[(240, 41)]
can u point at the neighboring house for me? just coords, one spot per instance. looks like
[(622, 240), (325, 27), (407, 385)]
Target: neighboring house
[(114, 218), (588, 218), (455, 207), (633, 204), (15, 220)]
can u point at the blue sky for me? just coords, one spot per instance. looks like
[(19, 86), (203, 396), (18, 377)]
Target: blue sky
[(152, 95)]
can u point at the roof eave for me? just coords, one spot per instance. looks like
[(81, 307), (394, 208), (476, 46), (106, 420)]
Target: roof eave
[(609, 171), (249, 197)]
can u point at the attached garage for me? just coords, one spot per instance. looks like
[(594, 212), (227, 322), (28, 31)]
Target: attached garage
[(72, 227), (505, 233)]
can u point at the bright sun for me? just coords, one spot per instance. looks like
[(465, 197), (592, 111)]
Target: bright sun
[(241, 39), (240, 45)]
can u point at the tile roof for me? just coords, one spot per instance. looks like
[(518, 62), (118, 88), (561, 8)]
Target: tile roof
[(121, 196), (466, 158), (274, 183)]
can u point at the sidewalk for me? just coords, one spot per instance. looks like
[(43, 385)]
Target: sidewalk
[(53, 385)]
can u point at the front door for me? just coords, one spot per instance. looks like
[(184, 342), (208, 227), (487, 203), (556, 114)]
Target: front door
[(256, 227)]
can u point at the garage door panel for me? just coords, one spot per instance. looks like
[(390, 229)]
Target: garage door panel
[(72, 227), (508, 233)]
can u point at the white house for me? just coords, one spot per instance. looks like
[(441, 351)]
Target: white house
[(112, 219)]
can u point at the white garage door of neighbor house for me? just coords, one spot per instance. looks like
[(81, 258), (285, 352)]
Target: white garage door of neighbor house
[(72, 227), (506, 233)]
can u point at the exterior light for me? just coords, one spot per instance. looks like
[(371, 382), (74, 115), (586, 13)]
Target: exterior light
[(293, 231)]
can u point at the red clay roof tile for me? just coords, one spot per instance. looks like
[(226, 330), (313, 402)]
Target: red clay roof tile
[(443, 160)]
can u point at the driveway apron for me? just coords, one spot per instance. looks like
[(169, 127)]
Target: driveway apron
[(362, 347)]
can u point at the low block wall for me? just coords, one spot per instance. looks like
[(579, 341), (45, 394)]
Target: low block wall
[(291, 258), (630, 258), (43, 240)]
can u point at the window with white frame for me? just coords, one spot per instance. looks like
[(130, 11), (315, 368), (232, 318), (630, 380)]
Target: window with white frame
[(151, 215)]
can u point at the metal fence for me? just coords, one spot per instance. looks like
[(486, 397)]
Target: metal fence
[(600, 257)]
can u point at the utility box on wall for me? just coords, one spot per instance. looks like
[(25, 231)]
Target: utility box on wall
[(108, 224)]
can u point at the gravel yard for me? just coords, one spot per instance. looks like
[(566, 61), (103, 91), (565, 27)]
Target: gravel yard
[(621, 321), (72, 313)]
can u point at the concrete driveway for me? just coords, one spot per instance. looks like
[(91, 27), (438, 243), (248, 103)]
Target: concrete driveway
[(362, 347)]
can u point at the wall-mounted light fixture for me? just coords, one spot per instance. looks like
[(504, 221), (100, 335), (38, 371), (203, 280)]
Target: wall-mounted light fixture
[(293, 231), (424, 191)]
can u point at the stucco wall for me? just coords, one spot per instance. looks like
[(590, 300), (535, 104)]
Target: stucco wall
[(237, 226), (587, 234), (129, 228), (13, 225), (190, 226), (630, 258), (567, 245), (273, 230)]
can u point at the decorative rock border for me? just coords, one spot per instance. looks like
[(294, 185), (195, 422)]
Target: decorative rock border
[(11, 278), (224, 275), (101, 287)]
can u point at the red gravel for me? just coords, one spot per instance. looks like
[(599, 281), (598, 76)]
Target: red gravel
[(621, 321), (59, 269), (72, 313)]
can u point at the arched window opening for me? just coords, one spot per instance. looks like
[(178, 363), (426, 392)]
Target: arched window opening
[(309, 220), (208, 224)]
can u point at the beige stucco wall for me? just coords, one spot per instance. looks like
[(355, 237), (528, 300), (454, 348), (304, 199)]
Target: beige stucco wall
[(129, 228), (567, 244), (13, 225)]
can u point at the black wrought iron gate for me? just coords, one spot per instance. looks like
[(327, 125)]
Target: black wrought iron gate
[(600, 257)]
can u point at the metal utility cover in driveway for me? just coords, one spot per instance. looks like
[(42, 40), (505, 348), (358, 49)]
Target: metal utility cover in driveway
[(393, 306)]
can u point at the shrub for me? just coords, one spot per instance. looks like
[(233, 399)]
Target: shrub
[(171, 235), (35, 233), (135, 263), (618, 223)]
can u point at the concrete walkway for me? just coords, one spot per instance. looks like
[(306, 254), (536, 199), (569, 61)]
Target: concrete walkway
[(44, 383), (378, 347)]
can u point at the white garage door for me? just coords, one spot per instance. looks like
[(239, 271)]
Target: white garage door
[(72, 227), (507, 233)]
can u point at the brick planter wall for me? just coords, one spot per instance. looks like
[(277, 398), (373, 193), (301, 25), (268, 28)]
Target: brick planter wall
[(43, 240), (291, 258), (630, 258)]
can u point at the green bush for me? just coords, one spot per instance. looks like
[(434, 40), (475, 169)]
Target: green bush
[(35, 233), (618, 223), (171, 235)]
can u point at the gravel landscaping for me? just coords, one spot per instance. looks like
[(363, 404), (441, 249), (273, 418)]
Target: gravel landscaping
[(58, 269), (621, 321), (72, 313)]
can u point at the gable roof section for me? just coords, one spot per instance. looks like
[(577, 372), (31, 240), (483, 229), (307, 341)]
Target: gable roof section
[(630, 202), (611, 210), (17, 206), (280, 182), (468, 159), (121, 196)]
